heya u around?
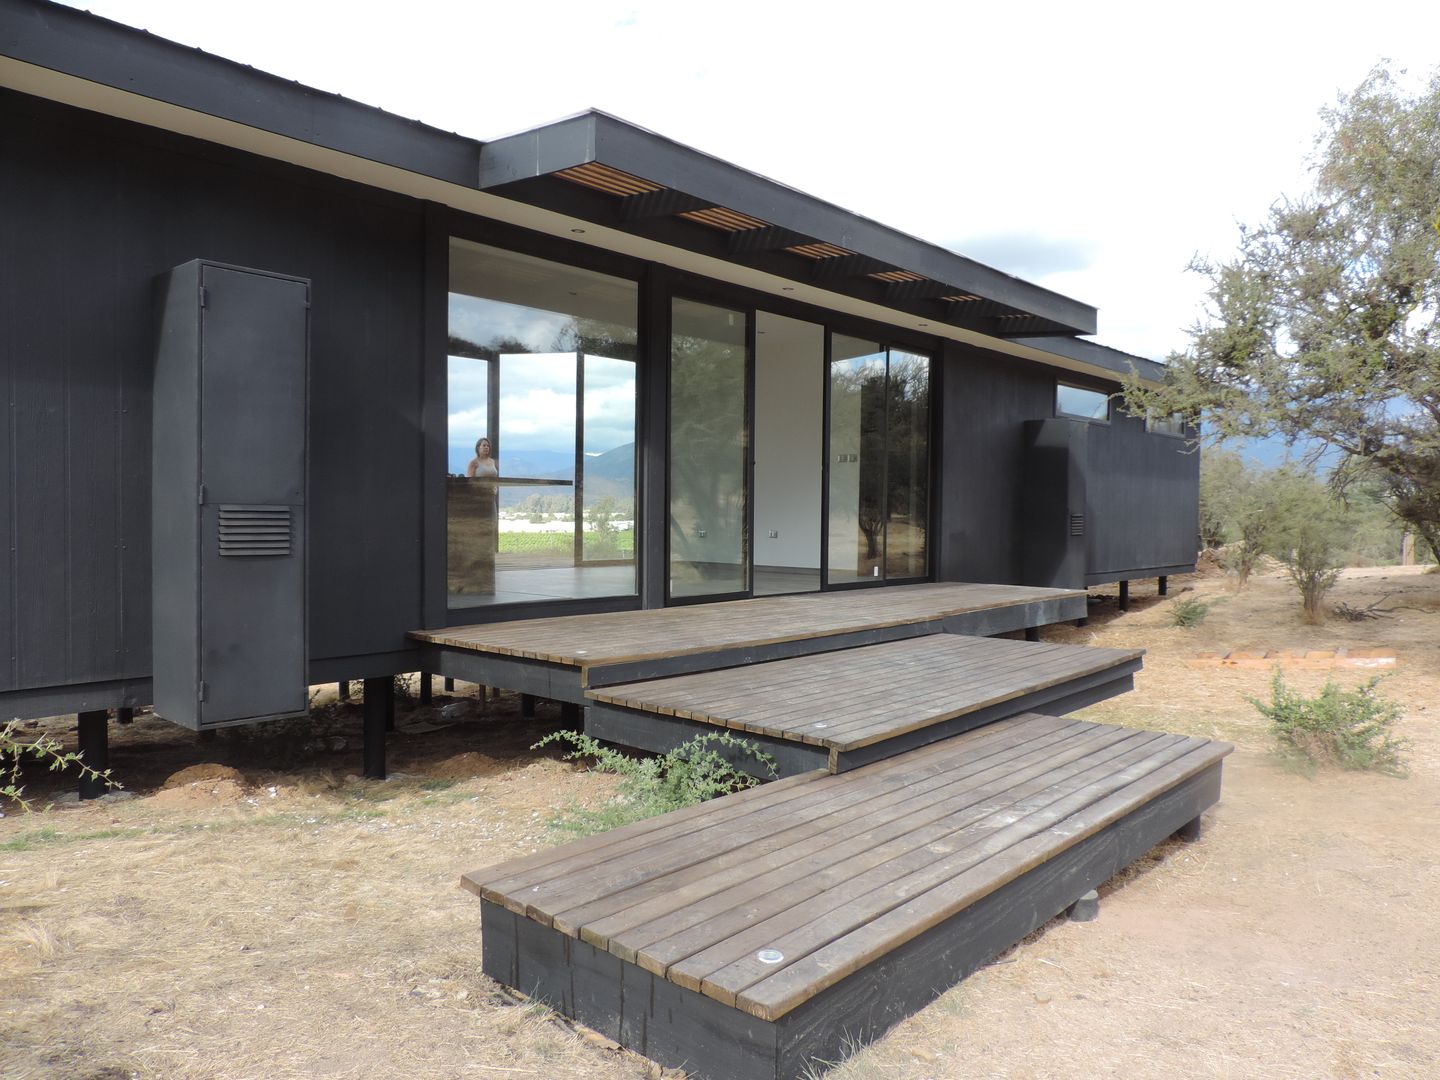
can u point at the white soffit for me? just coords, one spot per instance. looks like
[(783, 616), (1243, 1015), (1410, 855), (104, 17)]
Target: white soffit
[(96, 97)]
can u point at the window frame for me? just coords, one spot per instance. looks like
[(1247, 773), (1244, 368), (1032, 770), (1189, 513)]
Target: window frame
[(1063, 415)]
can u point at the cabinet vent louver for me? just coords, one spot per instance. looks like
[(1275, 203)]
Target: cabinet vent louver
[(254, 530), (1077, 524)]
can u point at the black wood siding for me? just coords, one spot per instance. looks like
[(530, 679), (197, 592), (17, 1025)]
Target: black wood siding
[(985, 399), (1143, 489), (104, 207)]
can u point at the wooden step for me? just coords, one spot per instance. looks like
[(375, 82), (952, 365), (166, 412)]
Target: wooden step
[(562, 656), (760, 934), (840, 710)]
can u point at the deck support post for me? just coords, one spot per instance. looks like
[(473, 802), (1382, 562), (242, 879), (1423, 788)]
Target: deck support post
[(426, 693), (342, 689), (124, 715), (449, 685), (1124, 596), (379, 707), (1086, 909), (1190, 831), (94, 751), (1032, 633), (1162, 585), (527, 705)]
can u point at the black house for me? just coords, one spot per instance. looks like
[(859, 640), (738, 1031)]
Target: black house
[(289, 377)]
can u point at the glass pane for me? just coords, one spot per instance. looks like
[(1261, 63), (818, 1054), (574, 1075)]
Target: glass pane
[(529, 339), (608, 465), (857, 460), (907, 477), (1083, 404), (1173, 424), (708, 541)]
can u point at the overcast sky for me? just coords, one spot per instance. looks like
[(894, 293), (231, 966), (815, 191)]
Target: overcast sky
[(1092, 148)]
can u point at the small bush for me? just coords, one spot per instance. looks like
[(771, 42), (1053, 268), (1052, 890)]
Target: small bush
[(693, 772), (1348, 728), (1188, 612)]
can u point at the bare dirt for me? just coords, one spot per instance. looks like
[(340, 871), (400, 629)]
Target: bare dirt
[(249, 907)]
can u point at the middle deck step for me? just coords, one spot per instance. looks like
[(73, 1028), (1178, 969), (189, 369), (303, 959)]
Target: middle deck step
[(840, 710)]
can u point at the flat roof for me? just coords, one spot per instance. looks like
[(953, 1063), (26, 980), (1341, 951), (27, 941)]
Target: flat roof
[(591, 167)]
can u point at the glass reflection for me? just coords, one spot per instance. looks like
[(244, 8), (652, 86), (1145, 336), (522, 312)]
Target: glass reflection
[(879, 487), (708, 533), (542, 376)]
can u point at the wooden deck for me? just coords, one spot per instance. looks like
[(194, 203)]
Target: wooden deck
[(759, 934), (839, 710), (562, 657)]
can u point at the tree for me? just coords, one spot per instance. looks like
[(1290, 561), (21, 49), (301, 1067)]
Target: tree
[(1323, 327)]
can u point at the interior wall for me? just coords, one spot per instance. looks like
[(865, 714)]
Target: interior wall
[(789, 430)]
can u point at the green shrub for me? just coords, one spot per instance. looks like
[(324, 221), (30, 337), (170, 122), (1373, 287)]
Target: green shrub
[(1188, 612), (693, 772), (14, 748), (1348, 728)]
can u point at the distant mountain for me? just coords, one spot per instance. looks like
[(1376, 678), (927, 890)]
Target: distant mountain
[(610, 473)]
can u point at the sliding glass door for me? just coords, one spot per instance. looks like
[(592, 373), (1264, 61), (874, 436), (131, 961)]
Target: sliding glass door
[(879, 463), (709, 541)]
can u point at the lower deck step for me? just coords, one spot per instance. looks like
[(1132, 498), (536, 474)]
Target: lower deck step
[(840, 710), (761, 934)]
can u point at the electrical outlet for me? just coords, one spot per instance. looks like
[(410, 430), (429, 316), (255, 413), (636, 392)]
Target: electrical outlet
[(774, 534)]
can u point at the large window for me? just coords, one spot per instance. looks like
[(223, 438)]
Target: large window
[(541, 435), (879, 462), (709, 535)]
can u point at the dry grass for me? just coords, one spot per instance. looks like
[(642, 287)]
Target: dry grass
[(306, 923)]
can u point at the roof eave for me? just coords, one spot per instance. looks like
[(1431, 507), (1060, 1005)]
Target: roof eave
[(596, 137)]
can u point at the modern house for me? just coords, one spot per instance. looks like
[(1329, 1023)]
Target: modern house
[(290, 378), (300, 391)]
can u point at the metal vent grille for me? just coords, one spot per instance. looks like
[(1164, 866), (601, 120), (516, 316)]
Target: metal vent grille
[(254, 530), (1077, 524)]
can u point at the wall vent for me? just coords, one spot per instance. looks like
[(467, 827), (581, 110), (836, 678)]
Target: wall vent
[(1077, 524), (254, 530)]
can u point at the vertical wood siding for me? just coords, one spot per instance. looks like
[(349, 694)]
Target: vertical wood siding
[(91, 211)]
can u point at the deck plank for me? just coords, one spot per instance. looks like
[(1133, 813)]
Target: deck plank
[(630, 636), (806, 918), (846, 700), (669, 903), (778, 993), (836, 871), (678, 935)]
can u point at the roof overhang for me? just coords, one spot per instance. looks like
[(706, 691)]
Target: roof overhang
[(560, 179), (601, 169)]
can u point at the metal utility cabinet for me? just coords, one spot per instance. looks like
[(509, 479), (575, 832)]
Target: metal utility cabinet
[(1055, 512), (230, 460)]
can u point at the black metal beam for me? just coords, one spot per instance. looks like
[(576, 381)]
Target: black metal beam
[(94, 737), (379, 704)]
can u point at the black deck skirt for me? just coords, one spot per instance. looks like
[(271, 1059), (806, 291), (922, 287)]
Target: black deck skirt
[(683, 1029)]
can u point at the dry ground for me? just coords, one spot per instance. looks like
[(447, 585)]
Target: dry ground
[(260, 922)]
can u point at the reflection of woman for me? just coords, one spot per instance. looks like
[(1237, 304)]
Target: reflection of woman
[(482, 464)]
